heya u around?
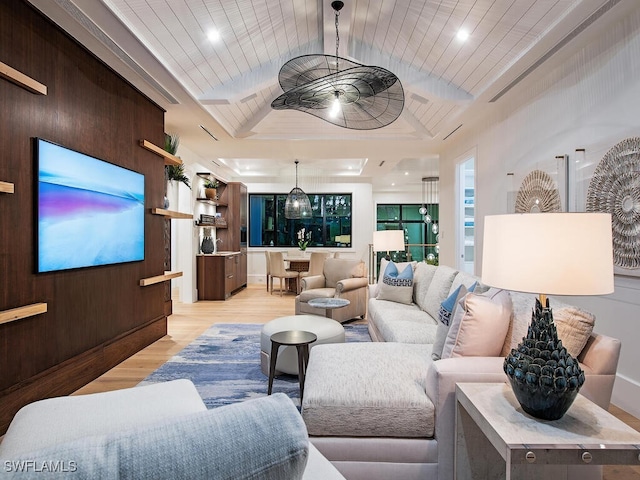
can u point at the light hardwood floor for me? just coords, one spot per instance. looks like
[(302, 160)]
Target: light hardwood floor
[(251, 305)]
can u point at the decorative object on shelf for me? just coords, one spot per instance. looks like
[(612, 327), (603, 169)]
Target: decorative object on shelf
[(220, 221), (211, 188), (171, 142), (207, 245), (297, 204), (173, 173), (614, 188), (207, 219), (388, 241), (538, 193), (432, 184), (304, 238), (558, 254), (358, 97)]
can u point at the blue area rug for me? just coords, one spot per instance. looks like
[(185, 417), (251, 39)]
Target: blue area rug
[(224, 365)]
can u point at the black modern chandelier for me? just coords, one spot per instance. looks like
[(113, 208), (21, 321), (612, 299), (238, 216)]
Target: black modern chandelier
[(339, 91)]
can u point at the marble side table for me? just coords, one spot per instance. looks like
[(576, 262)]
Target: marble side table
[(328, 303), (496, 439)]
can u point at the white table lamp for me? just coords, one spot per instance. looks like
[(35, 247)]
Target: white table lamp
[(555, 254), (388, 241)]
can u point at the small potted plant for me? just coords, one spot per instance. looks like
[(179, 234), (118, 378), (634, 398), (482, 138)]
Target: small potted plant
[(211, 188), (303, 239)]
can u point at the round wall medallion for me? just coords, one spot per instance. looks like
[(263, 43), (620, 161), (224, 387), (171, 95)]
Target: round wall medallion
[(615, 189), (538, 193)]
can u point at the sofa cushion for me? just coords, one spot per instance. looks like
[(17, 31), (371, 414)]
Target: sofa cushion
[(574, 327), (479, 329), (353, 390), (262, 438), (398, 322), (422, 277), (397, 286), (466, 279), (438, 289)]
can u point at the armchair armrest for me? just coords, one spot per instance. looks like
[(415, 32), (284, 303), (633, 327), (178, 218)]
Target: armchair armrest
[(312, 281), (351, 284)]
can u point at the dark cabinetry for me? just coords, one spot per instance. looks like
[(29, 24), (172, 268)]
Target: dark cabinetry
[(219, 275)]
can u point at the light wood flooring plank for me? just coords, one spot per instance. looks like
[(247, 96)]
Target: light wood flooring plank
[(251, 305)]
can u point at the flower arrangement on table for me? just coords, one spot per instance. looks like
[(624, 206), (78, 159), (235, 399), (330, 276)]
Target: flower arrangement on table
[(304, 238)]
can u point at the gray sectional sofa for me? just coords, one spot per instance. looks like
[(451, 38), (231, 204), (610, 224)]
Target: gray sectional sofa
[(386, 409)]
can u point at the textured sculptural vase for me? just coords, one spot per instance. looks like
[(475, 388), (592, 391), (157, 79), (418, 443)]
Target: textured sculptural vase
[(545, 378)]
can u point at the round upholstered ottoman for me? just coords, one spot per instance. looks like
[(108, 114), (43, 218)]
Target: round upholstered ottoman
[(326, 329)]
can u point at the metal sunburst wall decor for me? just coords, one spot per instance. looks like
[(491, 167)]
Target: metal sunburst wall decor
[(538, 193), (340, 91), (615, 188)]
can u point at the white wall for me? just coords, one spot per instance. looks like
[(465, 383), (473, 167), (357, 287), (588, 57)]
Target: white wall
[(586, 96), (363, 215)]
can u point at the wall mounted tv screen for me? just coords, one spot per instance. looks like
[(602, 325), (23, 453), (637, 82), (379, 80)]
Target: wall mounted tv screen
[(89, 212)]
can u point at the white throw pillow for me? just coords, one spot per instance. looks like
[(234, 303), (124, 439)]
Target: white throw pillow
[(479, 329)]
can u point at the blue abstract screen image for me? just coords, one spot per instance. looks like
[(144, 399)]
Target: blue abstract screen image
[(90, 212)]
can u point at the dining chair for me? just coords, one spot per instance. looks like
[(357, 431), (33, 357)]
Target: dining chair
[(268, 259), (278, 270), (316, 263)]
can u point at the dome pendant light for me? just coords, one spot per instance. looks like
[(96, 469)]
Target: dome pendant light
[(297, 204)]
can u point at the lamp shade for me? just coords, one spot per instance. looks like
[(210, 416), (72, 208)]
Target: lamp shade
[(388, 240), (549, 253)]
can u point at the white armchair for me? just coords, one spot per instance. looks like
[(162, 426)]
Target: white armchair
[(341, 278)]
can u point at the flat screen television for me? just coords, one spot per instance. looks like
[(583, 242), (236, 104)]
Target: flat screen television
[(89, 212)]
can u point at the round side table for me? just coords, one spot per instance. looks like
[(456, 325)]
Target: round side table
[(299, 339), (328, 303)]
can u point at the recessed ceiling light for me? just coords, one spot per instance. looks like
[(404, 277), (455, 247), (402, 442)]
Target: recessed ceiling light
[(462, 35), (213, 35), (406, 173), (393, 184)]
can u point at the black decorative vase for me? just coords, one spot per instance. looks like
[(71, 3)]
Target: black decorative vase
[(207, 244), (544, 377)]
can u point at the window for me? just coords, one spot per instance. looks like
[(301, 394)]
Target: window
[(421, 238), (330, 225)]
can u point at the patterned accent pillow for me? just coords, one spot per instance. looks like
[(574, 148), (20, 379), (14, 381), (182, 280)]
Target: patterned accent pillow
[(397, 286), (447, 310)]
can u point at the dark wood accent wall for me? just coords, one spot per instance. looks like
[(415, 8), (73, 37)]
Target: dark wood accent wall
[(97, 316)]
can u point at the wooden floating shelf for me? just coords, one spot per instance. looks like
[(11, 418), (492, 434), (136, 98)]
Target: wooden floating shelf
[(170, 213), (6, 187), (22, 80), (211, 202), (169, 159), (210, 225), (22, 312), (159, 278)]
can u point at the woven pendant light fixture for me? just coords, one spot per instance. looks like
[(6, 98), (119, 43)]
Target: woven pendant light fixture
[(339, 91), (297, 204)]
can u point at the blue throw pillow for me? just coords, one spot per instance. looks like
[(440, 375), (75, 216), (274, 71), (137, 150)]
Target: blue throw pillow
[(397, 286)]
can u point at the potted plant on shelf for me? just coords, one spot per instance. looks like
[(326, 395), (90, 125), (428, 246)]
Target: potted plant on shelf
[(173, 173), (211, 188)]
